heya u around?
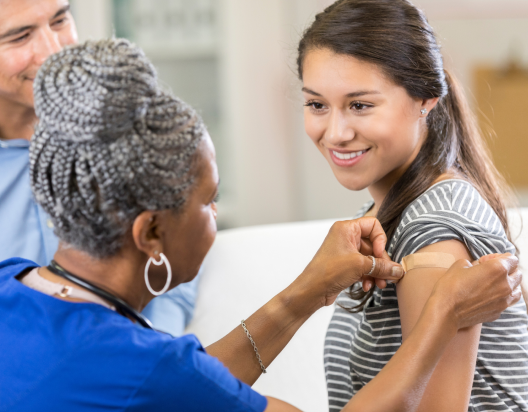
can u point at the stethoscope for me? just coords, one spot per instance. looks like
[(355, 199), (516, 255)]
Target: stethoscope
[(121, 306)]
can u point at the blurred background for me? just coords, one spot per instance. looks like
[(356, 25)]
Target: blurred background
[(234, 60)]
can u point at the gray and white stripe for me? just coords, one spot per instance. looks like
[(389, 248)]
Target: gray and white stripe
[(358, 345)]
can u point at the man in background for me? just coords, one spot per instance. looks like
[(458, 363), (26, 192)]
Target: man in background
[(31, 31)]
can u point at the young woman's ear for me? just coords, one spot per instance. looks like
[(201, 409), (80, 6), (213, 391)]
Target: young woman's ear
[(428, 105)]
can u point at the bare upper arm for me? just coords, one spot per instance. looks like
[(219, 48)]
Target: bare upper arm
[(450, 385), (276, 405)]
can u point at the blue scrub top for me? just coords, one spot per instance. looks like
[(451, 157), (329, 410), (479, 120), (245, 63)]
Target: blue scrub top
[(64, 356), (27, 231)]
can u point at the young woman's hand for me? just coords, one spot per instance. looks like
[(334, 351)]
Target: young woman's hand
[(480, 292), (343, 260)]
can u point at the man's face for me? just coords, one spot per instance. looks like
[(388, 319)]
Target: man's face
[(30, 31)]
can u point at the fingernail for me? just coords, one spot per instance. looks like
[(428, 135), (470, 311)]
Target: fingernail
[(397, 272)]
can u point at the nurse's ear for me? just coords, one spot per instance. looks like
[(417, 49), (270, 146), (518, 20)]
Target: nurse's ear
[(147, 233)]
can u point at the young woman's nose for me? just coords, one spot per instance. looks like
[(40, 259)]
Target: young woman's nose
[(46, 44), (339, 130)]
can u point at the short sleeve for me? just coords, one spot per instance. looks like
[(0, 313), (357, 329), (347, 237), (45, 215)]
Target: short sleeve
[(187, 379), (450, 210)]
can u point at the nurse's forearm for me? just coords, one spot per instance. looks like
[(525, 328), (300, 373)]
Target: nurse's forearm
[(401, 383), (338, 263), (271, 328)]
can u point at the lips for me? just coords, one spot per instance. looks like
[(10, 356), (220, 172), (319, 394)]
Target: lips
[(348, 159)]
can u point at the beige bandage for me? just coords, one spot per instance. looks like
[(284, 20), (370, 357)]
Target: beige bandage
[(427, 260)]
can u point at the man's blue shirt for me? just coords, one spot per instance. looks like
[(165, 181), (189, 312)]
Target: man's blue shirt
[(27, 232)]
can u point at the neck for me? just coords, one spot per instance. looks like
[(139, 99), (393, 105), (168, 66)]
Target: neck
[(117, 275), (380, 191), (17, 121), (381, 188)]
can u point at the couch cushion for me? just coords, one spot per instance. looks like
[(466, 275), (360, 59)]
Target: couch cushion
[(245, 268)]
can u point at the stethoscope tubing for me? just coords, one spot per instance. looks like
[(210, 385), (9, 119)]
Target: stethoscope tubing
[(121, 306)]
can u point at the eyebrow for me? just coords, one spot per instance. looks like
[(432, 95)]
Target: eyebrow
[(353, 94), (19, 30)]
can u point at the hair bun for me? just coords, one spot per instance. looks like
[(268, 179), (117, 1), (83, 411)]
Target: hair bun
[(94, 90)]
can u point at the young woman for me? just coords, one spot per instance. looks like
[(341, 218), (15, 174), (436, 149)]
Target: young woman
[(386, 115), (127, 172)]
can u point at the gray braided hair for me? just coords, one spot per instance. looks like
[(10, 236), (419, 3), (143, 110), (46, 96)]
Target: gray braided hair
[(109, 144)]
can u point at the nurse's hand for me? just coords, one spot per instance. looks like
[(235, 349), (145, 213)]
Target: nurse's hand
[(343, 260), (339, 263), (479, 292)]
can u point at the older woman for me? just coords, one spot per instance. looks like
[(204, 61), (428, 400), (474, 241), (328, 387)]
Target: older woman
[(128, 175)]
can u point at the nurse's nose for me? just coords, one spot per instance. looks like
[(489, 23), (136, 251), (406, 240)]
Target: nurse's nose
[(339, 130)]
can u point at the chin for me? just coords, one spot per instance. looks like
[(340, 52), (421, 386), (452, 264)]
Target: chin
[(353, 184), (192, 276), (29, 101)]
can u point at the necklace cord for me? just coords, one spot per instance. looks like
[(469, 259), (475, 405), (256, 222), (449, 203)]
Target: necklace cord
[(124, 308)]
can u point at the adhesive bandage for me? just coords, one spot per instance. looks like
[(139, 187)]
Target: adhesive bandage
[(427, 260)]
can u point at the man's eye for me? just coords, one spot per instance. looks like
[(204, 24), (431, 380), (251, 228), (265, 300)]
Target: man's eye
[(20, 39), (59, 22)]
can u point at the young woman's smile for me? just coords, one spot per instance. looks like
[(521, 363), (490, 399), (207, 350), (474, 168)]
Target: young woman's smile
[(368, 128), (347, 158)]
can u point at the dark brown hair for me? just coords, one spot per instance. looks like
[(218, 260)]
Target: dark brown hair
[(396, 37)]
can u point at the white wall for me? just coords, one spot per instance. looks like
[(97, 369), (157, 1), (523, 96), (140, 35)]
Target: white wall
[(271, 171), (473, 9), (298, 184), (276, 173), (93, 18), (259, 179), (467, 43)]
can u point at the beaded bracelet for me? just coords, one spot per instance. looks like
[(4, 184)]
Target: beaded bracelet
[(254, 346)]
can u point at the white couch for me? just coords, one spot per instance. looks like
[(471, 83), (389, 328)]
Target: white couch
[(247, 267)]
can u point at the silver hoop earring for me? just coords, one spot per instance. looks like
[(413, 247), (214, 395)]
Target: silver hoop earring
[(423, 111), (163, 259)]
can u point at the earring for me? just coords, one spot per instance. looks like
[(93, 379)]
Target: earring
[(423, 111), (163, 259)]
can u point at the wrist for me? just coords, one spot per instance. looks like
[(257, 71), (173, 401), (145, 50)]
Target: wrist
[(299, 301)]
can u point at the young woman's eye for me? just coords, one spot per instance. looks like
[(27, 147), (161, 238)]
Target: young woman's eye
[(315, 106), (217, 198), (358, 106)]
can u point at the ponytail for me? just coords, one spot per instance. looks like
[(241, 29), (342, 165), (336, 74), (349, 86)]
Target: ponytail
[(395, 36)]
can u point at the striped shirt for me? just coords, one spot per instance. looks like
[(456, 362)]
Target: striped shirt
[(359, 345)]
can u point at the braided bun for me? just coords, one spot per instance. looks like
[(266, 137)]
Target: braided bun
[(109, 143)]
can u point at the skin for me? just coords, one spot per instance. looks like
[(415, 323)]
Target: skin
[(340, 262), (385, 120), (450, 385), (152, 233), (30, 31), (350, 106)]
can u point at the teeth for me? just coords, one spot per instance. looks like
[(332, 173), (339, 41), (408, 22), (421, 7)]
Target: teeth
[(347, 156)]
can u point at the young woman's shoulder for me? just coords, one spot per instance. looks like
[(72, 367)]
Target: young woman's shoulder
[(450, 209)]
